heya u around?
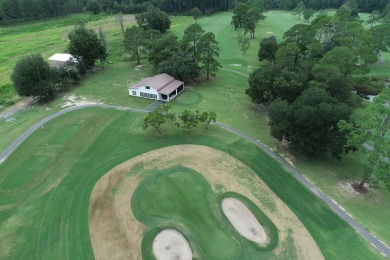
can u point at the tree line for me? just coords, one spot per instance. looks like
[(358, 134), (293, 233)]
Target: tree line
[(12, 11), (183, 59), (186, 120)]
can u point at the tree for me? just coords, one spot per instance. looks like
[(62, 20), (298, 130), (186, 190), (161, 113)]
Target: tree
[(335, 71), (250, 22), (239, 13), (301, 34), (207, 118), (243, 42), (374, 17), (85, 46), (93, 6), (119, 19), (181, 65), (102, 37), (209, 51), (367, 130), (381, 36), (196, 13), (162, 49), (298, 10), (288, 55), (32, 77), (190, 41), (189, 119), (268, 49), (353, 6), (307, 14), (309, 124), (261, 84), (154, 19), (135, 38), (158, 117), (65, 76)]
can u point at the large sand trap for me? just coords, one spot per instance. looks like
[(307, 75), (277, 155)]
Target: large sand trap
[(244, 221), (170, 244), (116, 234)]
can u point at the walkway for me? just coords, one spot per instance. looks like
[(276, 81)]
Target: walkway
[(337, 209)]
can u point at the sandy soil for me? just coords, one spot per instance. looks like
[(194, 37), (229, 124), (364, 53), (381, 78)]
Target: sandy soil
[(170, 244), (244, 221), (22, 104), (73, 100), (116, 234)]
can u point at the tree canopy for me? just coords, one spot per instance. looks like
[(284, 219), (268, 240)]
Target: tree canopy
[(154, 19), (181, 65), (209, 51), (191, 38), (368, 131), (85, 46), (158, 117), (162, 49), (268, 49), (32, 77), (12, 11), (326, 58), (135, 38)]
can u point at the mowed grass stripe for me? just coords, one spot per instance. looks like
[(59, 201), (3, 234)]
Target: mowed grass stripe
[(63, 229)]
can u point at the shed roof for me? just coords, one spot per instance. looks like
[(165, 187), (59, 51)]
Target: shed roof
[(171, 87), (61, 57)]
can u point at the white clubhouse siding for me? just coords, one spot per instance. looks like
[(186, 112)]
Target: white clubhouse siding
[(143, 89)]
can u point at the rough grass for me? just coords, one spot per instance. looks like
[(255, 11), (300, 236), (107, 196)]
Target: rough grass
[(51, 36), (44, 210)]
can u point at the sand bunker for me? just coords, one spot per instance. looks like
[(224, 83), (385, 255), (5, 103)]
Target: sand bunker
[(116, 234), (170, 244), (243, 220)]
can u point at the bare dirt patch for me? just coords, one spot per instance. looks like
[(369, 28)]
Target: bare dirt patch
[(115, 232), (362, 190), (74, 100), (21, 105)]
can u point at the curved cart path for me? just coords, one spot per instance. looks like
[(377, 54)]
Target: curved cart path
[(382, 247)]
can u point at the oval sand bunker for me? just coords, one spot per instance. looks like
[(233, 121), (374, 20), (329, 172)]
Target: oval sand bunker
[(244, 221), (170, 244)]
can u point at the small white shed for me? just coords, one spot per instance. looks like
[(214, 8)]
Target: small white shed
[(59, 59)]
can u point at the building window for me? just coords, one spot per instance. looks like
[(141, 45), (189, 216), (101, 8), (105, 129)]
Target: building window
[(147, 87), (134, 93), (147, 95)]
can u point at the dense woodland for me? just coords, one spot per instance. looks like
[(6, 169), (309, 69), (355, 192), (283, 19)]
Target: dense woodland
[(12, 11)]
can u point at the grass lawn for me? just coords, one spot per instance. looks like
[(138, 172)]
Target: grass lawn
[(66, 166), (46, 184)]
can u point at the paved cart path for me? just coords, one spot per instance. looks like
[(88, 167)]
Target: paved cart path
[(382, 247)]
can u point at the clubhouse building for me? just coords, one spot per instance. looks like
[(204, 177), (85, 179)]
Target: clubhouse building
[(160, 87)]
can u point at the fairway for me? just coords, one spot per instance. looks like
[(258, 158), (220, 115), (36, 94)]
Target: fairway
[(78, 188), (56, 202)]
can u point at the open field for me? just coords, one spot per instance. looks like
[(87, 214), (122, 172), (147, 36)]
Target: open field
[(53, 156), (45, 191), (49, 37)]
